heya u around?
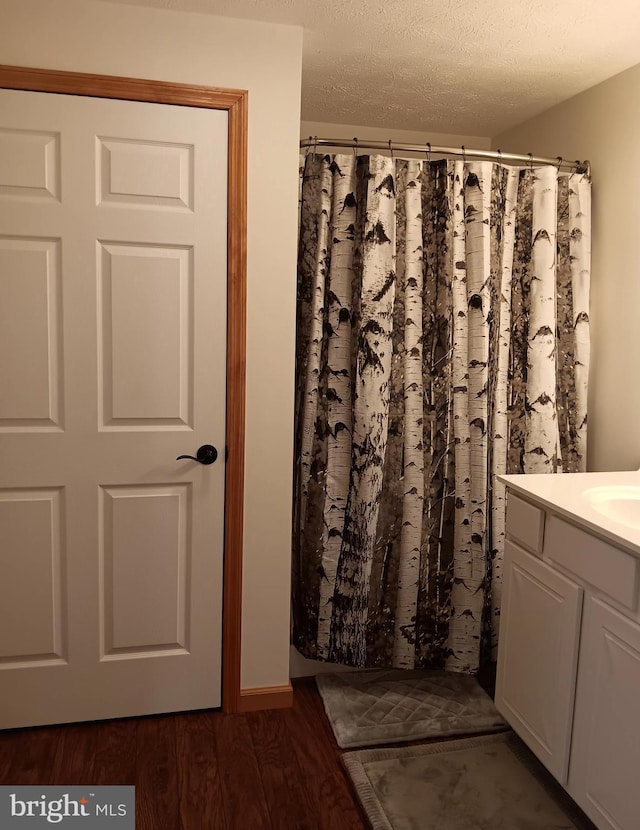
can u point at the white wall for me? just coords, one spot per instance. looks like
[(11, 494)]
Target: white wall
[(104, 38), (603, 125), (326, 130)]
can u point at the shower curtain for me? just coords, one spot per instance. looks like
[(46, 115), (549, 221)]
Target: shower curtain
[(443, 339)]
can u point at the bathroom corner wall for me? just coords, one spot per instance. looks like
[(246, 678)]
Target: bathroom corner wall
[(602, 124), (117, 39)]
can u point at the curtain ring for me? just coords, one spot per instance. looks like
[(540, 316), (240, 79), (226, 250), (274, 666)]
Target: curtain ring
[(560, 160), (391, 150), (530, 161), (499, 158), (355, 146), (464, 155), (315, 143), (307, 149), (428, 152)]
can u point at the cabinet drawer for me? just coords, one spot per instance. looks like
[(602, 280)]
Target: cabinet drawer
[(604, 566), (525, 523)]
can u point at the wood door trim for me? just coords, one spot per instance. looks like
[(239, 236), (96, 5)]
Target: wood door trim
[(267, 697), (235, 102)]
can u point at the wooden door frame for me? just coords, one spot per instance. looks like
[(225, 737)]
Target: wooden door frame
[(235, 103)]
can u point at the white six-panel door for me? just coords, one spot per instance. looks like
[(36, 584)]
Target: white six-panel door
[(112, 363)]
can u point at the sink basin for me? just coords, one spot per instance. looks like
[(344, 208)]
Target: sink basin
[(619, 503)]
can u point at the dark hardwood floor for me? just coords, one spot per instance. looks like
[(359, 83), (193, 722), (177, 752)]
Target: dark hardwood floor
[(276, 770)]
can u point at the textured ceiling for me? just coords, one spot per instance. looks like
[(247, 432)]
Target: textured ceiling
[(466, 66)]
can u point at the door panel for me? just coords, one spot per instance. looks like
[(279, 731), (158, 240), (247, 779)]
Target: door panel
[(112, 363), (132, 342), (29, 164), (145, 530), (145, 173), (30, 331), (31, 589)]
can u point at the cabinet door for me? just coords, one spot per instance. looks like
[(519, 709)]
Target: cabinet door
[(605, 755), (537, 656)]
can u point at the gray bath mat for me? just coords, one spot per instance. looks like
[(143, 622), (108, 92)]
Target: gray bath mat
[(483, 783), (367, 708)]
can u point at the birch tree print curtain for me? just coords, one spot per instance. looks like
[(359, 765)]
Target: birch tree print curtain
[(443, 339)]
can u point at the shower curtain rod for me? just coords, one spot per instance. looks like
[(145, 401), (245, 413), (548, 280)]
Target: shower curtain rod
[(492, 155)]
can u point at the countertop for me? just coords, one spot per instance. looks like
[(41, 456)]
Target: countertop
[(567, 495)]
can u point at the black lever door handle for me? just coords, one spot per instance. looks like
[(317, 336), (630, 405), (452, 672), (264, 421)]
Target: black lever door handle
[(206, 454)]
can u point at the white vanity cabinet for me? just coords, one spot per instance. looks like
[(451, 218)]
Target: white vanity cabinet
[(604, 775), (569, 658), (537, 662)]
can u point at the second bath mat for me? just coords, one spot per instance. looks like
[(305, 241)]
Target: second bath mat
[(486, 783)]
